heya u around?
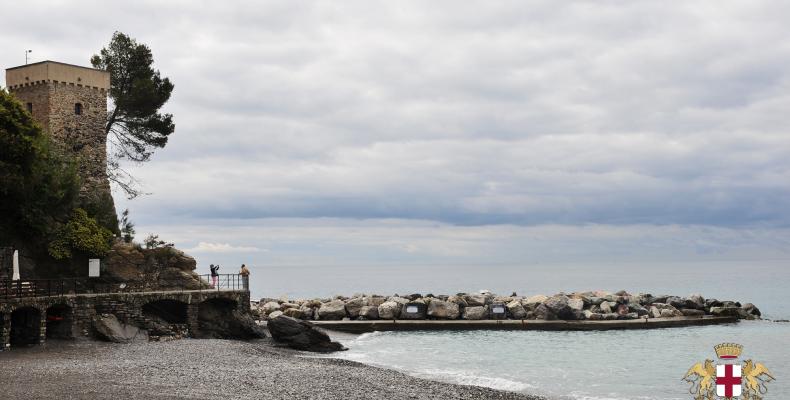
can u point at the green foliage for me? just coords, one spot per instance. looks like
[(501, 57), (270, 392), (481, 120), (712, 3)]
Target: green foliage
[(81, 234), (101, 207), (127, 227), (135, 127), (38, 184), (153, 242)]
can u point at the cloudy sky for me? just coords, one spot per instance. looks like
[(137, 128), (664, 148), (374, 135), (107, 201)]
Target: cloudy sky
[(412, 132)]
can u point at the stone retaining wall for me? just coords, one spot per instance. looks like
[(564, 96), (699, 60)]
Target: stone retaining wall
[(127, 307)]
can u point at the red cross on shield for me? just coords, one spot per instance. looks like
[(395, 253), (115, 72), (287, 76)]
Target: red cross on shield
[(728, 380)]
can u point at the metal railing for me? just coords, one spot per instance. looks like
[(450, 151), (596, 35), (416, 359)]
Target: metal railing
[(13, 289), (41, 287), (226, 282)]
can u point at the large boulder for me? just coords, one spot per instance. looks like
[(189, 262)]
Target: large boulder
[(376, 301), (638, 309), (270, 307), (576, 304), (293, 313), (475, 312), (475, 300), (440, 309), (643, 299), (730, 311), (751, 309), (389, 310), (543, 312), (108, 328), (400, 300), (458, 300), (695, 301), (516, 310), (354, 305), (307, 312), (712, 303), (532, 302), (368, 313), (692, 312), (222, 320), (334, 310), (677, 302), (559, 305), (301, 335)]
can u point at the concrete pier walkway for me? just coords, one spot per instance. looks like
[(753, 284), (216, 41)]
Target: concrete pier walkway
[(535, 325)]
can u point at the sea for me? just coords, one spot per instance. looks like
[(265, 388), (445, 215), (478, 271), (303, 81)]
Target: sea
[(611, 365)]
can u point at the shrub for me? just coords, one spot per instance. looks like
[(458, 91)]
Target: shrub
[(81, 234)]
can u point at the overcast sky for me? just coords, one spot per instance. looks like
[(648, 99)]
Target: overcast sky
[(371, 133)]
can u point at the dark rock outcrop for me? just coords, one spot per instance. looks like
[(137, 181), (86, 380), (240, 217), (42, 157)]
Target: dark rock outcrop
[(222, 321), (163, 268), (301, 335)]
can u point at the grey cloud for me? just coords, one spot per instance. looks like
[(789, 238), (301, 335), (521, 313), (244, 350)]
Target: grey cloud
[(612, 112)]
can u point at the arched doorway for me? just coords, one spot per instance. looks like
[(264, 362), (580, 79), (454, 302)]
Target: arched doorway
[(166, 318), (59, 322), (25, 326), (171, 311), (216, 318)]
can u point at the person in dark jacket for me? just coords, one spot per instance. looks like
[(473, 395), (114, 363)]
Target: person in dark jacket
[(214, 275)]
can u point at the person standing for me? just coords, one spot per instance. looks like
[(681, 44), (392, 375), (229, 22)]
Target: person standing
[(214, 275), (245, 276)]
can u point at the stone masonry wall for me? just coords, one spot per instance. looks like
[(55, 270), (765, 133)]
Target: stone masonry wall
[(38, 96), (127, 307), (83, 134)]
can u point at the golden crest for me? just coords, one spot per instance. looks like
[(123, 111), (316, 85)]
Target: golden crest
[(704, 380), (755, 376)]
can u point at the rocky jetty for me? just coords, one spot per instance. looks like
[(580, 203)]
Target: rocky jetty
[(597, 305)]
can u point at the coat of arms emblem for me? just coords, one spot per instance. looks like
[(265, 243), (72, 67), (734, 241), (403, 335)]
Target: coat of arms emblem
[(728, 379)]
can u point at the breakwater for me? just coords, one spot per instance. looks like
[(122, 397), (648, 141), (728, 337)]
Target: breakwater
[(485, 306)]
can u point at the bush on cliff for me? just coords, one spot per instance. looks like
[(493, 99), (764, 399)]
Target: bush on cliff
[(83, 234)]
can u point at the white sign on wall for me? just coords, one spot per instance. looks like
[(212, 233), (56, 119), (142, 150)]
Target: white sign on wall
[(93, 267), (411, 309)]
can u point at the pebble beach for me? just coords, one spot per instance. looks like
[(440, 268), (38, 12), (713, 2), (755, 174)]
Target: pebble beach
[(209, 369)]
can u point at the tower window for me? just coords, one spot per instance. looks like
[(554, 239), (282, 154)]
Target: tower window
[(30, 108), (78, 108)]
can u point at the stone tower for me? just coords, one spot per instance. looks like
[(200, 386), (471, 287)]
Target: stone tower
[(69, 102)]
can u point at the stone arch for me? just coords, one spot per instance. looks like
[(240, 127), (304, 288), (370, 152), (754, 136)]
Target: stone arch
[(216, 317), (60, 324), (166, 318), (170, 311), (25, 326)]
